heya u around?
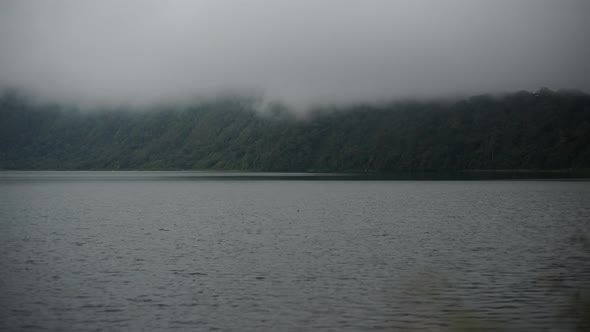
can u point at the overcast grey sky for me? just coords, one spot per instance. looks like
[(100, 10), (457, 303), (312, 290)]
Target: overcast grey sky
[(299, 51)]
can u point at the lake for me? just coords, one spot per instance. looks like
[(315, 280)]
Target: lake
[(136, 251)]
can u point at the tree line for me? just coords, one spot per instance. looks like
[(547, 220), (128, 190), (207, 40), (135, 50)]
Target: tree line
[(524, 130)]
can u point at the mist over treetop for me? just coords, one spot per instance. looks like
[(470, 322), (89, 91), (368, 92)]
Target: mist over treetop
[(545, 130), (297, 52)]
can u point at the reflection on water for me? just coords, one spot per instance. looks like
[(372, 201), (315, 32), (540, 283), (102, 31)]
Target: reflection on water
[(153, 251)]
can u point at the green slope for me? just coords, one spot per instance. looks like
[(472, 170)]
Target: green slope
[(543, 130)]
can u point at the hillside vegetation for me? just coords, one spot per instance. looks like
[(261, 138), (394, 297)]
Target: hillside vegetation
[(542, 130)]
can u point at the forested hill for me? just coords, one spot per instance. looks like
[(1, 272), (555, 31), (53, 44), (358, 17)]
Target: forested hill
[(542, 130)]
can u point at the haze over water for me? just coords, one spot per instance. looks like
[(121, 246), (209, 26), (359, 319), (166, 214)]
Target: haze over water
[(206, 251), (332, 85)]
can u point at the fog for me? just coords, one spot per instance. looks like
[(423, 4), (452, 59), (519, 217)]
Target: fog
[(299, 52)]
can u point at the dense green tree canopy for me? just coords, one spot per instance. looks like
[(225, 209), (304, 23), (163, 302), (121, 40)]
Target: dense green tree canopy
[(542, 130)]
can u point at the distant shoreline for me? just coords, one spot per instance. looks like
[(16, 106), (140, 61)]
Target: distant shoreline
[(464, 175), (561, 171), (541, 133)]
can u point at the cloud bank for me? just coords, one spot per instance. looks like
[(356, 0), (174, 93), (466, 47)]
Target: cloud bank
[(300, 52)]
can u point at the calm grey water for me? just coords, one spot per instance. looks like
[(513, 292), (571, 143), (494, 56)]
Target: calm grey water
[(86, 251)]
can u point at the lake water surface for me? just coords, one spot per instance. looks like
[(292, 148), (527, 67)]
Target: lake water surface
[(130, 251)]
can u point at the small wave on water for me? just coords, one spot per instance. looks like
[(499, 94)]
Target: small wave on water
[(294, 255)]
